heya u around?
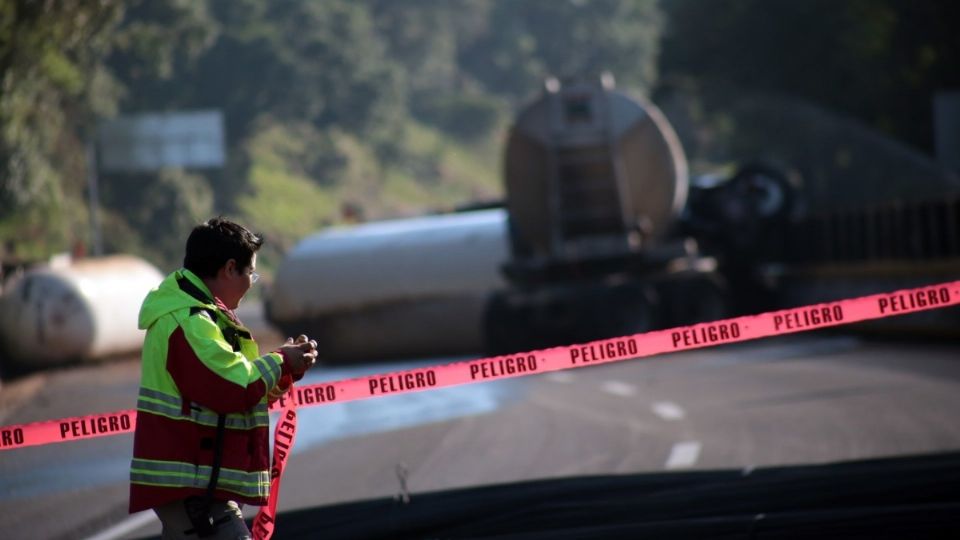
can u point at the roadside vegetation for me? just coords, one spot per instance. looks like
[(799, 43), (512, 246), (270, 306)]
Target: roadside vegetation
[(368, 109)]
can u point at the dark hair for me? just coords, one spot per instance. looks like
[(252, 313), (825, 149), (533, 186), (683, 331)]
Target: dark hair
[(214, 242)]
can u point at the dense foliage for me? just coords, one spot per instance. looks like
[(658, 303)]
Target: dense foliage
[(876, 60), (396, 107), (54, 82)]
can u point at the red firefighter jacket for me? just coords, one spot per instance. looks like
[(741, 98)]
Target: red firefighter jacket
[(198, 364)]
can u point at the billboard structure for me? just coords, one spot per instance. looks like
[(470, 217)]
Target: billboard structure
[(149, 142)]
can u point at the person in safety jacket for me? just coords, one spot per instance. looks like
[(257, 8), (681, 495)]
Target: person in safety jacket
[(201, 443)]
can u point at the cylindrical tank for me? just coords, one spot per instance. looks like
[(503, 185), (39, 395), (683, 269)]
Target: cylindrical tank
[(390, 289), (82, 311), (591, 170)]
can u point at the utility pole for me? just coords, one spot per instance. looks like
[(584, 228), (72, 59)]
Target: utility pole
[(93, 193)]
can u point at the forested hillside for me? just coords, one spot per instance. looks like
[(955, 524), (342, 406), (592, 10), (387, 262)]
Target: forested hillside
[(398, 107)]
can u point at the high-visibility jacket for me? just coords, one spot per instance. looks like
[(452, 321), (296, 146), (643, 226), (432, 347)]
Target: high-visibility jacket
[(198, 364)]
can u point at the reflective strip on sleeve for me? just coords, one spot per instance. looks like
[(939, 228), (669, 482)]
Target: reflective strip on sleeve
[(269, 368)]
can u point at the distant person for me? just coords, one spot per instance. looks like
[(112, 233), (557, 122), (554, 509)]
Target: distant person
[(78, 250), (201, 449), (351, 213)]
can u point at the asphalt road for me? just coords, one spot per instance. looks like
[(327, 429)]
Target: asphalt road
[(810, 398)]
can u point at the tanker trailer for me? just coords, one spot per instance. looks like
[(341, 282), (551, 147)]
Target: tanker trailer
[(596, 182), (82, 311), (392, 289)]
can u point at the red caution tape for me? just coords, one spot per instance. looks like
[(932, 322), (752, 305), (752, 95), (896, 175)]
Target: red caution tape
[(67, 429), (775, 323), (283, 438)]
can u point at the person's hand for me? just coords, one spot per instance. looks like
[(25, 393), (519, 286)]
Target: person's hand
[(299, 355)]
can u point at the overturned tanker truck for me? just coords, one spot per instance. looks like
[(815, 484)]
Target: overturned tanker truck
[(594, 240), (608, 235), (602, 233)]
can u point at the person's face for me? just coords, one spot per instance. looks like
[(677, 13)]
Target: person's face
[(237, 281)]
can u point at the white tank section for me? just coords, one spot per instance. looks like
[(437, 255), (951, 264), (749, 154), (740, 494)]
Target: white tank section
[(82, 311), (393, 288)]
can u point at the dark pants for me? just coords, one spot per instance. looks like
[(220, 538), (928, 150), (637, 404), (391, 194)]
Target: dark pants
[(226, 515)]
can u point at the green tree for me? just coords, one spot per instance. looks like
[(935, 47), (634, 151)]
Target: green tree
[(372, 88), (158, 212), (877, 60), (53, 82), (296, 60), (157, 44), (424, 38), (526, 42)]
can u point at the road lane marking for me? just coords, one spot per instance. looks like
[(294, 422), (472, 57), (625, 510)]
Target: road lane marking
[(683, 455), (132, 523), (668, 410), (618, 388), (573, 410)]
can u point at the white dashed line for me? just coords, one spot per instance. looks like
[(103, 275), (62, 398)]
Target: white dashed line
[(563, 377), (683, 455), (668, 410), (618, 388)]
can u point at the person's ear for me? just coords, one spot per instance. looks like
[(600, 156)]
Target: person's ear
[(231, 267)]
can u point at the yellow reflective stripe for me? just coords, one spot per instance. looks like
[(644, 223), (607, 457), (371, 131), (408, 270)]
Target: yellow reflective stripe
[(259, 491), (180, 474), (158, 408), (233, 421), (171, 399), (162, 404), (269, 368)]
